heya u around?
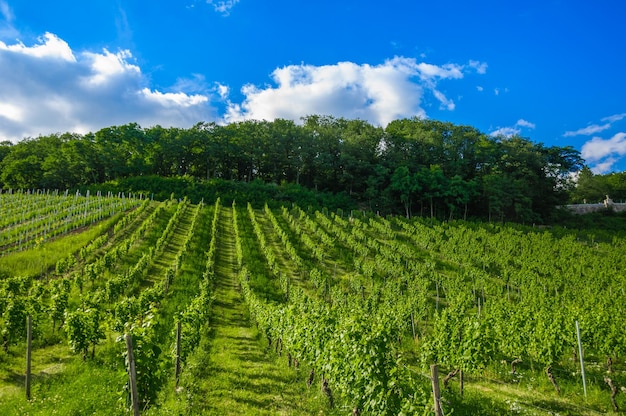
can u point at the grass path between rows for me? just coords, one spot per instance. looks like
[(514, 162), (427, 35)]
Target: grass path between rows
[(244, 376), (174, 245)]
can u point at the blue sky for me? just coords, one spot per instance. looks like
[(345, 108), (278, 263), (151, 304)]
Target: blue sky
[(550, 70)]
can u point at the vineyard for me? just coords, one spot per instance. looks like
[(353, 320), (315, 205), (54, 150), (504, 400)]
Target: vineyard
[(168, 307)]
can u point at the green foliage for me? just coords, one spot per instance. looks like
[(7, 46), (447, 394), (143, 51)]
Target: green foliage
[(458, 340), (364, 367), (592, 188), (15, 313), (125, 311), (347, 162), (60, 296), (147, 354), (84, 329)]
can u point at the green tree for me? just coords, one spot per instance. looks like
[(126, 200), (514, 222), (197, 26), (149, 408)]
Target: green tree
[(323, 140), (433, 184), (5, 148), (592, 188), (407, 143), (459, 193), (360, 143), (284, 151), (405, 185), (121, 149)]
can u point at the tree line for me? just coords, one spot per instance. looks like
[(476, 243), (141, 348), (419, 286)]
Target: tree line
[(592, 188), (411, 167)]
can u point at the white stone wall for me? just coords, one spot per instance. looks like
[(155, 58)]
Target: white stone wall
[(587, 208)]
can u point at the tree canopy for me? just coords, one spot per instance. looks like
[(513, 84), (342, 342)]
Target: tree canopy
[(411, 167)]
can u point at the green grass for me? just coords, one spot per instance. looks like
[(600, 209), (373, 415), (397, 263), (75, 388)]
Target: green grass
[(62, 384), (39, 260)]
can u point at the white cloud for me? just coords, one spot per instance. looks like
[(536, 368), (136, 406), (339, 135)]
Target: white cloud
[(432, 72), (194, 84), (222, 90), (523, 123), (124, 30), (446, 104), (614, 118), (47, 88), (106, 66), (377, 93), (505, 132), (596, 128), (604, 167), (170, 99), (479, 88), (497, 91), (50, 46), (587, 131), (604, 152), (513, 130), (480, 67), (223, 7), (7, 30), (11, 112)]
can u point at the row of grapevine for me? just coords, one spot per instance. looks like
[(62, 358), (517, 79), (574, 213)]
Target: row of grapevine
[(353, 351), (52, 216), (501, 293), (139, 316), (318, 250), (195, 318), (121, 299), (47, 302), (550, 280)]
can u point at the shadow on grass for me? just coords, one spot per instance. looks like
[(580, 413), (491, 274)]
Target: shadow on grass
[(52, 370)]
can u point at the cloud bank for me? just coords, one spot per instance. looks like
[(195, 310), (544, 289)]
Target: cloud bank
[(48, 88), (376, 93), (604, 153), (601, 153)]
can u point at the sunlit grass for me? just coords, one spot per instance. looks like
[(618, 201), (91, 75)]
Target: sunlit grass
[(38, 260), (61, 384)]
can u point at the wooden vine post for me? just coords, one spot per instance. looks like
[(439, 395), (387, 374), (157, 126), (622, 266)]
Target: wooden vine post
[(613, 392), (434, 376), (178, 336), (582, 359), (132, 374), (29, 341)]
